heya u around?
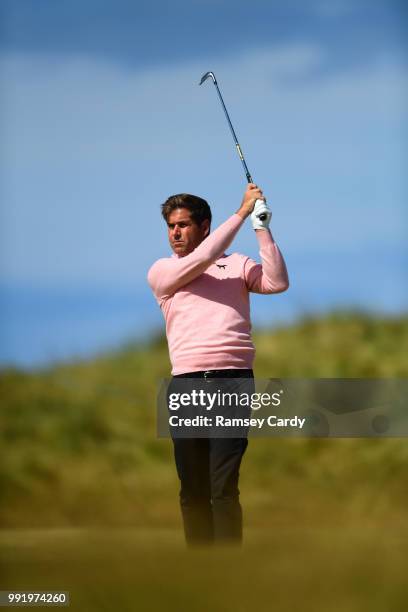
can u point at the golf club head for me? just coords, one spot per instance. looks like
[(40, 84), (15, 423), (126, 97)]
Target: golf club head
[(206, 76)]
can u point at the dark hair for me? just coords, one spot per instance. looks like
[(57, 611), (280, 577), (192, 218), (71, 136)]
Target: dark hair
[(198, 207)]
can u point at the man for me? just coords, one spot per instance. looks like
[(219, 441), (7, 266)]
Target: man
[(204, 296)]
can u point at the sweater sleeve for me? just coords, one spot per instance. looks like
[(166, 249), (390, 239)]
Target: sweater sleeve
[(271, 276), (168, 275)]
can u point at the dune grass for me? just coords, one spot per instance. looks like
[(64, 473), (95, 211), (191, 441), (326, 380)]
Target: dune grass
[(80, 448), (89, 493)]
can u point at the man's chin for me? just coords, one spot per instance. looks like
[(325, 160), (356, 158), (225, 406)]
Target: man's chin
[(180, 249)]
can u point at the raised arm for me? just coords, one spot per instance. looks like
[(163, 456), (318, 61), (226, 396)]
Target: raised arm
[(271, 275), (166, 276)]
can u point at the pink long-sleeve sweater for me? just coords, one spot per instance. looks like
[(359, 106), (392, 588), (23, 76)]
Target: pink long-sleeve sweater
[(204, 297)]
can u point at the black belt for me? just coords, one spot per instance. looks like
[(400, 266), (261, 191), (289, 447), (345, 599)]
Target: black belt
[(241, 373)]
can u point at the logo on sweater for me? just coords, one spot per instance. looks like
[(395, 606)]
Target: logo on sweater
[(221, 266)]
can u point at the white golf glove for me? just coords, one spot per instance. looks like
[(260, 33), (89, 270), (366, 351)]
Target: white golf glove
[(261, 208)]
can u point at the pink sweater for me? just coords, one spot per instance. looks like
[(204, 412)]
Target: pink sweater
[(205, 302)]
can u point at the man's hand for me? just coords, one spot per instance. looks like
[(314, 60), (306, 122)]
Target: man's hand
[(251, 194), (261, 209)]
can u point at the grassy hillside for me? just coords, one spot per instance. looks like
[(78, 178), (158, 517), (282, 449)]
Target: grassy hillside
[(79, 445)]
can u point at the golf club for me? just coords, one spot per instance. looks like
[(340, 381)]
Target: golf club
[(205, 76)]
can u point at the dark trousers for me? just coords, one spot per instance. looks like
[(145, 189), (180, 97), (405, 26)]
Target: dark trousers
[(208, 469)]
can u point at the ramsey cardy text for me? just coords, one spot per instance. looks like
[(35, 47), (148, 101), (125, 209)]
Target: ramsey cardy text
[(220, 421)]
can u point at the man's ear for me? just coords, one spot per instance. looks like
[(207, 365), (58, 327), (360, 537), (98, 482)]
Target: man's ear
[(206, 227)]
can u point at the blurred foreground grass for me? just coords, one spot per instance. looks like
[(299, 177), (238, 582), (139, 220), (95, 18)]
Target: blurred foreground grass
[(297, 568), (89, 494)]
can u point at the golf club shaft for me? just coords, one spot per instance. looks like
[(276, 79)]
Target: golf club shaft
[(262, 216), (234, 136)]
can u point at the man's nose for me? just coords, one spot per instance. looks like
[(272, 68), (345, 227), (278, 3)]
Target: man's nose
[(176, 231)]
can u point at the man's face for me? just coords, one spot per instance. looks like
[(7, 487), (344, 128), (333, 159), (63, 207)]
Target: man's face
[(184, 234)]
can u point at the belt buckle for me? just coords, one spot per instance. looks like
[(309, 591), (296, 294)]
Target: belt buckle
[(207, 375)]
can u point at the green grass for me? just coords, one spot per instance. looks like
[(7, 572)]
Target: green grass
[(310, 569), (80, 448), (89, 494)]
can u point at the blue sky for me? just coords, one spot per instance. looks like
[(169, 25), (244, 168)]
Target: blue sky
[(102, 118)]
